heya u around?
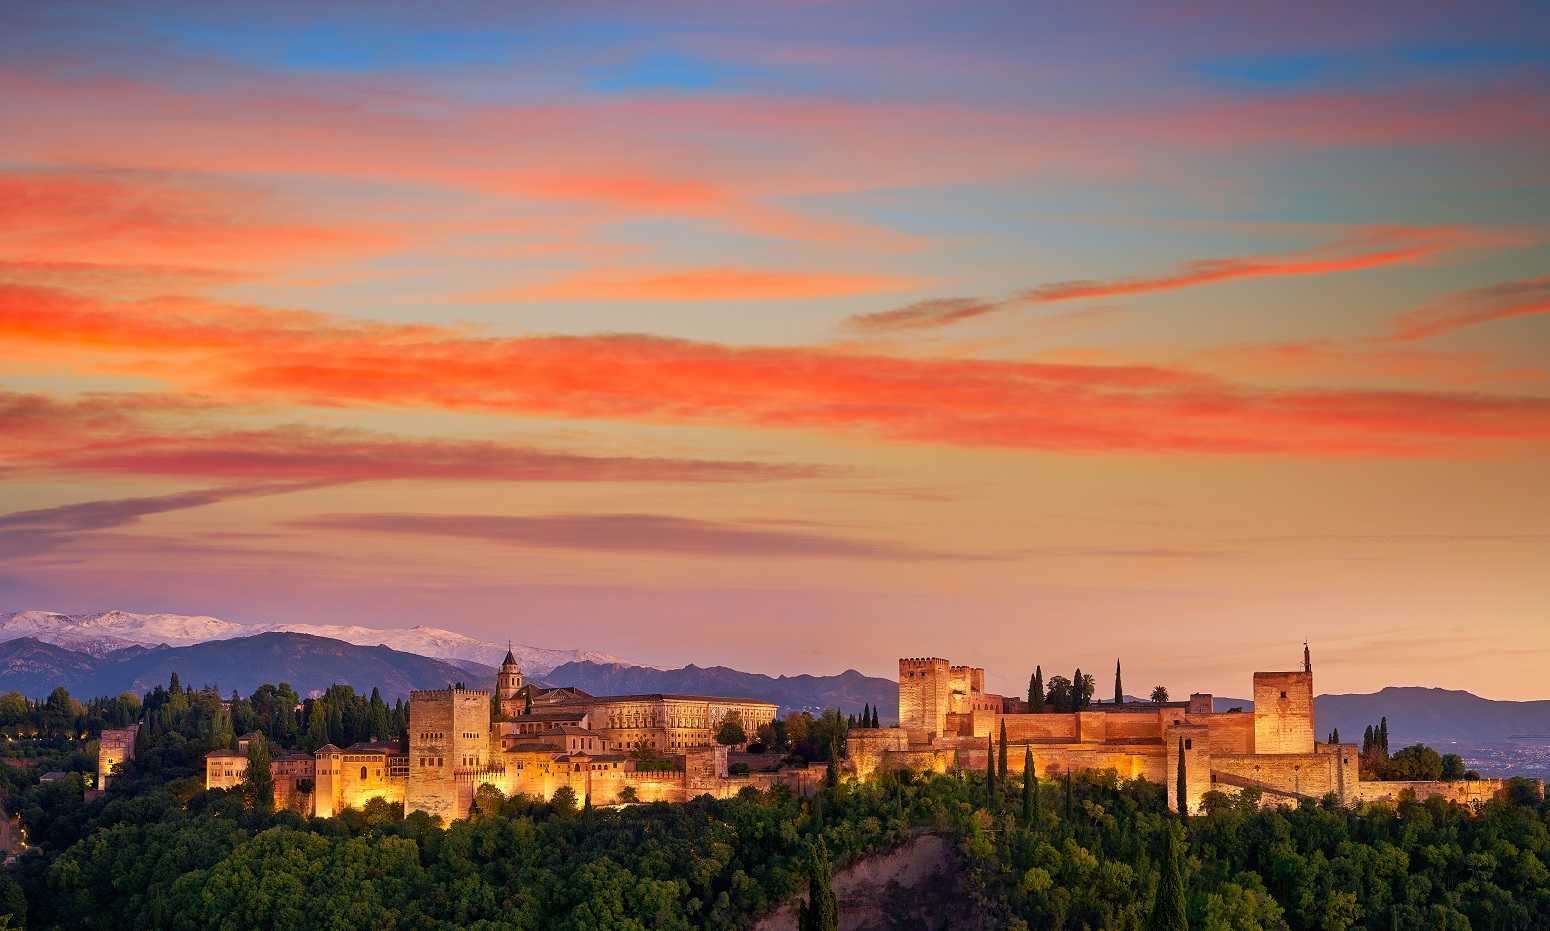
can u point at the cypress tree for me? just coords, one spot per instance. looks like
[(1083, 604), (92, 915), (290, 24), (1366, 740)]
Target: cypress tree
[(317, 725), (1036, 691), (527, 706), (260, 778), (990, 771), (1068, 795), (1168, 906), (1078, 701), (874, 718), (1001, 764), (1119, 690), (822, 910), (1383, 734), (1030, 786), (1183, 796), (1367, 739), (866, 715)]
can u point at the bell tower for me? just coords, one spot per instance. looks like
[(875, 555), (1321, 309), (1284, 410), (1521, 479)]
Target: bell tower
[(508, 684)]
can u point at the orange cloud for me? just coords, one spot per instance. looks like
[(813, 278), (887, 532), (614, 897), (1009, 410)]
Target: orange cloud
[(1482, 305), (302, 357), (1370, 248), (92, 223), (702, 284)]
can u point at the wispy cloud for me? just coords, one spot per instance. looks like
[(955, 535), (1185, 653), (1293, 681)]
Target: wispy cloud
[(153, 435), (333, 361), (1482, 305), (28, 533), (1369, 248), (630, 533), (700, 284)]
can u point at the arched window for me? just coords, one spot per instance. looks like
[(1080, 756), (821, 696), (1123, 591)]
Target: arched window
[(363, 772)]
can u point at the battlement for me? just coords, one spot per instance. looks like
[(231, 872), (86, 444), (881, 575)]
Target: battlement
[(444, 694), (921, 662)]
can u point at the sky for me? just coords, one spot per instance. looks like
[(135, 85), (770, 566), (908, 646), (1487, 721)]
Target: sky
[(793, 337)]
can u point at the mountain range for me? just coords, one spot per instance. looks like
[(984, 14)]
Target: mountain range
[(101, 634), (104, 654)]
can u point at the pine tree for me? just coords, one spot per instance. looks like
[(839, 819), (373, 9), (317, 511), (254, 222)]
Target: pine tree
[(1119, 690), (173, 688), (1168, 907), (1001, 764), (1036, 691), (1030, 787), (822, 909), (1183, 796)]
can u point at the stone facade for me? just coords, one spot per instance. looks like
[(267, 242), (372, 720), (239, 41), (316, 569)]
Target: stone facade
[(113, 748), (946, 720)]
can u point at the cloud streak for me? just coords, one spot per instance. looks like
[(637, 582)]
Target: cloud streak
[(29, 533), (332, 361), (1370, 248), (147, 436), (1503, 301), (628, 533)]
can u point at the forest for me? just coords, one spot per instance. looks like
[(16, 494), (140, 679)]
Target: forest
[(1083, 850)]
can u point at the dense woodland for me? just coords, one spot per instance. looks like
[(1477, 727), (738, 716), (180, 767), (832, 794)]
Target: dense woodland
[(1088, 851)]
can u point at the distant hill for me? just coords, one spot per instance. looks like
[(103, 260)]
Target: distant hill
[(1422, 715), (849, 691), (1430, 716), (308, 663)]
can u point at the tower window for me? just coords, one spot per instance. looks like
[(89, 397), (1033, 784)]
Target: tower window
[(1283, 694), (363, 772), (1189, 745)]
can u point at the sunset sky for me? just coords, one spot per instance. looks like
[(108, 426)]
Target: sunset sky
[(793, 337)]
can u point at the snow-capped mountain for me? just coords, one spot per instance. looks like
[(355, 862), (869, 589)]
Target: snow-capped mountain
[(99, 634)]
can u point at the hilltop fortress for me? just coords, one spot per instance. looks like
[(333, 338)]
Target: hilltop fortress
[(947, 720), (522, 739)]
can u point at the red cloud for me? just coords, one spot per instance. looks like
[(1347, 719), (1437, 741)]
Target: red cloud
[(303, 357), (1482, 305), (1369, 249)]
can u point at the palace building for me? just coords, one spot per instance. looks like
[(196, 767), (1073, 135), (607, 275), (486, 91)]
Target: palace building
[(663, 747)]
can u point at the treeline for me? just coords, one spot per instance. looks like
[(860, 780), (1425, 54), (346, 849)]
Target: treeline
[(1417, 762), (1061, 695), (61, 717)]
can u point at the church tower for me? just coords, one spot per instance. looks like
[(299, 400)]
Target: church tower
[(508, 685)]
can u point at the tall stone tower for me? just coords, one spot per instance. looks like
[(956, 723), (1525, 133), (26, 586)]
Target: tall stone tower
[(508, 683), (449, 737), (1283, 709), (924, 694)]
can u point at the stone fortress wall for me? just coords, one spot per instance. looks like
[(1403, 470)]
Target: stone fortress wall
[(947, 721)]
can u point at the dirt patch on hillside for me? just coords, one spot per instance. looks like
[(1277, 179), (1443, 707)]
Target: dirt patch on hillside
[(915, 886)]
